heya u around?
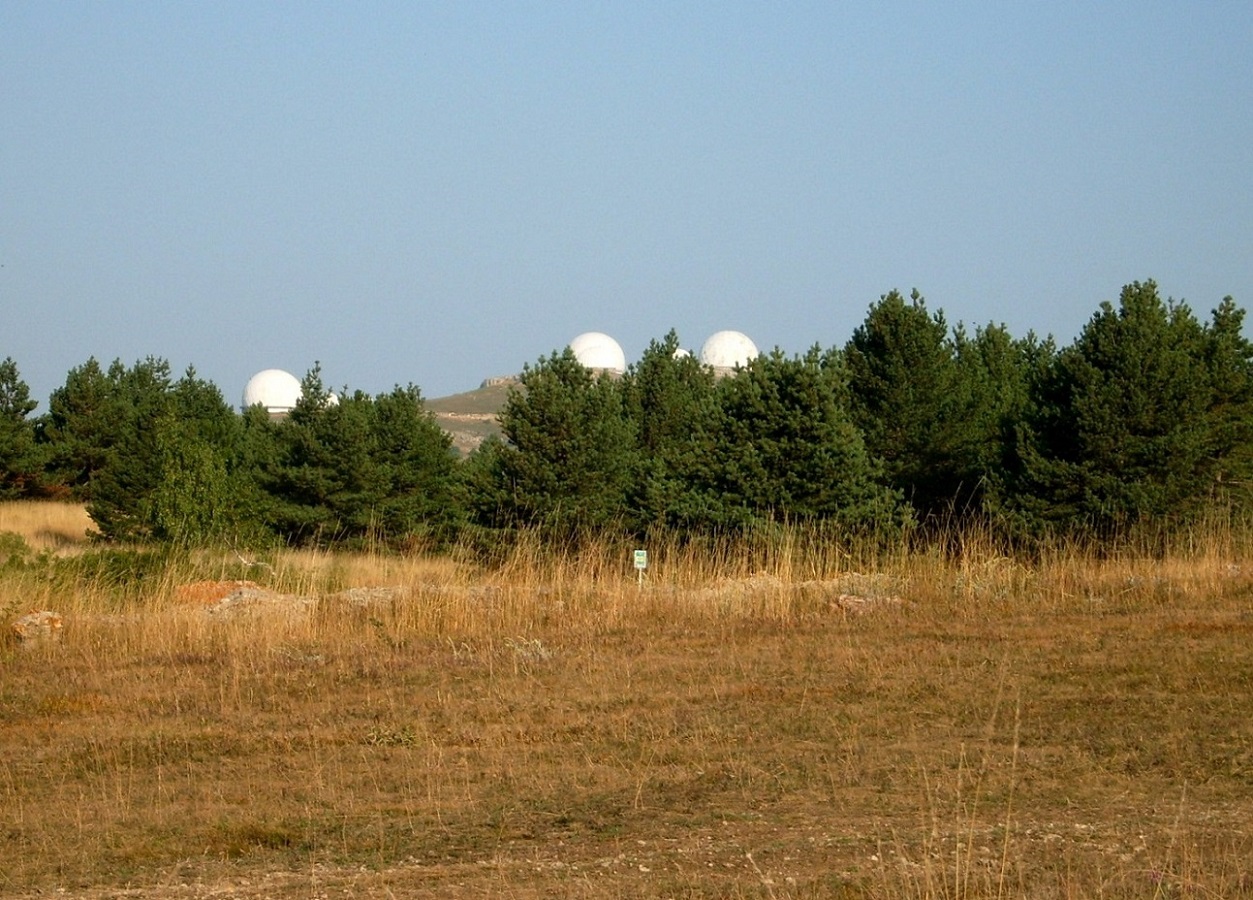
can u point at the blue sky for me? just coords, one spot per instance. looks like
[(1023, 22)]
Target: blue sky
[(439, 192)]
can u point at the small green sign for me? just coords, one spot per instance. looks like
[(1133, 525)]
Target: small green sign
[(641, 559)]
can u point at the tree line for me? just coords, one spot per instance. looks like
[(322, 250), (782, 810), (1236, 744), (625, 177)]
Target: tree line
[(1143, 422)]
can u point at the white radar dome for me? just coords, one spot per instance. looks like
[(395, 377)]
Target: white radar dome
[(276, 390), (599, 351), (728, 349)]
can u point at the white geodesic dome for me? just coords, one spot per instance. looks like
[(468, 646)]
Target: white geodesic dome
[(274, 389), (728, 349), (599, 351)]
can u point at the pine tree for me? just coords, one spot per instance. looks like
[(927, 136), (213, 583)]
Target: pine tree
[(907, 399), (80, 429), (480, 487), (784, 447), (1119, 430), (571, 450), (417, 466), (20, 459), (670, 397), (137, 400), (200, 406), (1229, 360), (250, 470), (993, 375), (145, 452), (324, 481), (195, 500), (354, 468), (193, 503)]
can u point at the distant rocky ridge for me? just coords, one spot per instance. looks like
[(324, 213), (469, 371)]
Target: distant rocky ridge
[(471, 417)]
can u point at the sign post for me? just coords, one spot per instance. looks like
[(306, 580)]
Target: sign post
[(641, 563)]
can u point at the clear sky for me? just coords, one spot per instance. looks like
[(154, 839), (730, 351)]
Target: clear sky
[(438, 192)]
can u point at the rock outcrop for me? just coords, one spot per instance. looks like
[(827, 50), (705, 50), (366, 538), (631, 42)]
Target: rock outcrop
[(38, 627)]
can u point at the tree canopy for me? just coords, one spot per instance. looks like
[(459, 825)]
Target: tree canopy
[(1145, 420)]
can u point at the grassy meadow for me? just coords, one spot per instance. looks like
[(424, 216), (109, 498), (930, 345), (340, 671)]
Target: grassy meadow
[(792, 722)]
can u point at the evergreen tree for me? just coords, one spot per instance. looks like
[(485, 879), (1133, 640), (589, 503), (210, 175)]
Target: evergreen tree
[(355, 468), (1119, 430), (571, 450), (670, 397), (251, 469), (785, 447), (200, 406), (993, 375), (1229, 359), (193, 503), (418, 468), (909, 401), (80, 428), (137, 400), (324, 480), (480, 488), (145, 452), (20, 459)]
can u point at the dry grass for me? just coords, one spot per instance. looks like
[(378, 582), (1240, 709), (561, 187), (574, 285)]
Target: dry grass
[(46, 526), (740, 726)]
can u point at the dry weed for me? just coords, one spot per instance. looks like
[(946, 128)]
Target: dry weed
[(43, 525), (379, 725)]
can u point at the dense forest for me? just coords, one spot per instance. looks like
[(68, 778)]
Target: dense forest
[(1142, 425)]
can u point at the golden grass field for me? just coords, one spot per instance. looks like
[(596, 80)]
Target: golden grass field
[(783, 724)]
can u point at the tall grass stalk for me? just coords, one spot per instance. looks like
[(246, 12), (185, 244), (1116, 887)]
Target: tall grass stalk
[(782, 705)]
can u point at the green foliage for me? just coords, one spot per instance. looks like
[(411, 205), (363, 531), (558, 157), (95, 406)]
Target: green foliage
[(994, 373), (940, 410), (14, 551), (1146, 420), (1120, 433), (355, 468), (667, 393), (162, 470), (147, 453), (130, 569), (417, 467), (907, 398), (20, 457), (80, 428), (783, 446), (480, 487), (669, 446), (1229, 360), (249, 469), (672, 401), (323, 478), (137, 399), (192, 503), (204, 412), (571, 452)]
